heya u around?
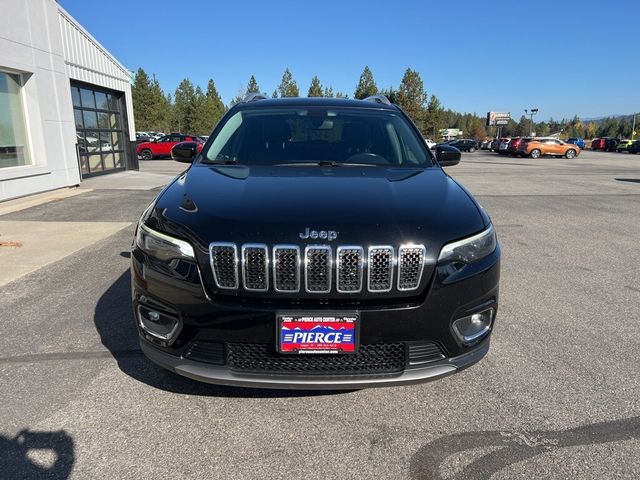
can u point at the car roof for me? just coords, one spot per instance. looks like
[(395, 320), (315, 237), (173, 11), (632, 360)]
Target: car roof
[(314, 101)]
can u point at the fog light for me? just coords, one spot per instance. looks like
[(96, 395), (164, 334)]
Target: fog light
[(158, 324), (472, 328)]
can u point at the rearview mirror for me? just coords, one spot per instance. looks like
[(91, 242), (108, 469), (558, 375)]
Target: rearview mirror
[(184, 152), (447, 155)]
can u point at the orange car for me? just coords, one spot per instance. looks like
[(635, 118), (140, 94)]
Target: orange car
[(536, 147)]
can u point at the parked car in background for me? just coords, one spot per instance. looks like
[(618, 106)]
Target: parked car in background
[(537, 147), (143, 137), (465, 144), (186, 151), (598, 143), (606, 144), (495, 144), (430, 143), (623, 145), (162, 146), (504, 144), (634, 147), (486, 144), (577, 141), (514, 145)]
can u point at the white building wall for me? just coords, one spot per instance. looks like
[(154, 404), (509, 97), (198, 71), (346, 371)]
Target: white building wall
[(31, 45), (88, 61), (48, 48)]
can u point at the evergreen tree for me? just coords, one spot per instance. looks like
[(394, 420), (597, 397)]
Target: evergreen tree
[(274, 94), (288, 86), (390, 93), (183, 107), (142, 100), (328, 91), (434, 117), (216, 107), (341, 95), (412, 97), (366, 85), (160, 112), (252, 86), (315, 89)]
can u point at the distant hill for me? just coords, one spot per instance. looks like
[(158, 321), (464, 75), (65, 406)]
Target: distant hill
[(619, 117)]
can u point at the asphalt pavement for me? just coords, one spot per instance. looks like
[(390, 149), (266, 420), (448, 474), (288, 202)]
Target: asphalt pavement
[(558, 395)]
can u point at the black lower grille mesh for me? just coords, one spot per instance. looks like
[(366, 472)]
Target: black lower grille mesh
[(370, 359)]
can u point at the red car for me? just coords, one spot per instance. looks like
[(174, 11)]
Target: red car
[(162, 147)]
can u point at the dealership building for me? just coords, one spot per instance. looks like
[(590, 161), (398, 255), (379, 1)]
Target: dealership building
[(65, 102)]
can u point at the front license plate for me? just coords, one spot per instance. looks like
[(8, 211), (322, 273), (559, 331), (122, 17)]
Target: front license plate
[(310, 333)]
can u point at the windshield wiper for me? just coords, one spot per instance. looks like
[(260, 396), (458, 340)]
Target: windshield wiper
[(322, 163)]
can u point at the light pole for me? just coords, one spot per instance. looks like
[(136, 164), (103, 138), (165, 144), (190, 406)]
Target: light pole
[(633, 128), (531, 113)]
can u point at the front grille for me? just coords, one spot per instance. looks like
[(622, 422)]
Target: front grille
[(380, 269), (349, 269), (420, 353), (224, 263), (410, 266), (206, 352), (286, 268), (255, 273), (263, 358), (316, 268)]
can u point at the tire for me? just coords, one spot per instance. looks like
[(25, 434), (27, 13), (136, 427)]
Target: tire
[(535, 153), (571, 153), (146, 154), (472, 149)]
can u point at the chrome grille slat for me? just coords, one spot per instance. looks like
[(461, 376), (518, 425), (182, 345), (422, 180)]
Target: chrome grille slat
[(224, 264), (286, 268), (255, 267), (318, 267), (349, 268), (410, 266), (380, 268)]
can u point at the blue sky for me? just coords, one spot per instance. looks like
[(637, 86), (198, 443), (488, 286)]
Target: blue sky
[(563, 57)]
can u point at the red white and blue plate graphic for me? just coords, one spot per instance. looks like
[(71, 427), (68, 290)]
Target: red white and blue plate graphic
[(317, 334)]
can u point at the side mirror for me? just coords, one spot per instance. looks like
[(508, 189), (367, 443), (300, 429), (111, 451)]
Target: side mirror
[(184, 152), (447, 155)]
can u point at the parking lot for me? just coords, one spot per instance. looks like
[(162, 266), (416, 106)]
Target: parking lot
[(556, 397)]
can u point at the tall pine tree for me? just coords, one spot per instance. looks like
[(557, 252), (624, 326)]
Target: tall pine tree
[(315, 89), (252, 86), (412, 97), (288, 86), (366, 85), (183, 106)]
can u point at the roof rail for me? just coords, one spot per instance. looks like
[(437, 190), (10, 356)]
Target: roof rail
[(252, 97), (378, 99)]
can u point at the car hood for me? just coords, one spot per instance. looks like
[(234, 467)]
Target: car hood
[(364, 205)]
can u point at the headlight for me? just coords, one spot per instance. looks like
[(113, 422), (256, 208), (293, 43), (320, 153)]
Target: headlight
[(470, 249), (162, 246)]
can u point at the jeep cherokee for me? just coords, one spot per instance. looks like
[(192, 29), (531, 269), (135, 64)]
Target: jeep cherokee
[(315, 244)]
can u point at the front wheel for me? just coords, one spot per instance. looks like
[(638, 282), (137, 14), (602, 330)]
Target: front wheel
[(472, 149), (535, 153), (571, 153), (146, 154)]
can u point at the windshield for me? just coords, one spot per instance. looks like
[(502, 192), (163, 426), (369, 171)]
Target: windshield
[(341, 136)]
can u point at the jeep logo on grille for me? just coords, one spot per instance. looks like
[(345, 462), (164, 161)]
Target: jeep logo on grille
[(322, 234)]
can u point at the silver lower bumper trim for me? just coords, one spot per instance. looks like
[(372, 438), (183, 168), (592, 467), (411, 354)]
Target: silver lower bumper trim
[(221, 375)]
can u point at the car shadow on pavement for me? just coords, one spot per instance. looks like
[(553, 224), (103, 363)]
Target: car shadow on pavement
[(113, 318), (36, 455), (505, 448)]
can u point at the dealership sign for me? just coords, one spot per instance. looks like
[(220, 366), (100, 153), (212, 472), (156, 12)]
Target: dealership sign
[(498, 118)]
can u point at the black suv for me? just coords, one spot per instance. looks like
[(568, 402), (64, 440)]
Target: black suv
[(315, 243), (465, 144)]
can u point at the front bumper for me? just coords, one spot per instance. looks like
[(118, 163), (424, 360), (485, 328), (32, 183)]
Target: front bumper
[(221, 375)]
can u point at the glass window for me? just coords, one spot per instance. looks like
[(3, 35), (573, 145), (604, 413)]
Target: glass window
[(113, 102), (75, 96), (114, 121), (95, 162), (101, 101), (90, 119), (107, 160), (103, 120), (78, 116), (87, 98), (105, 141), (14, 150), (315, 134), (119, 159)]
